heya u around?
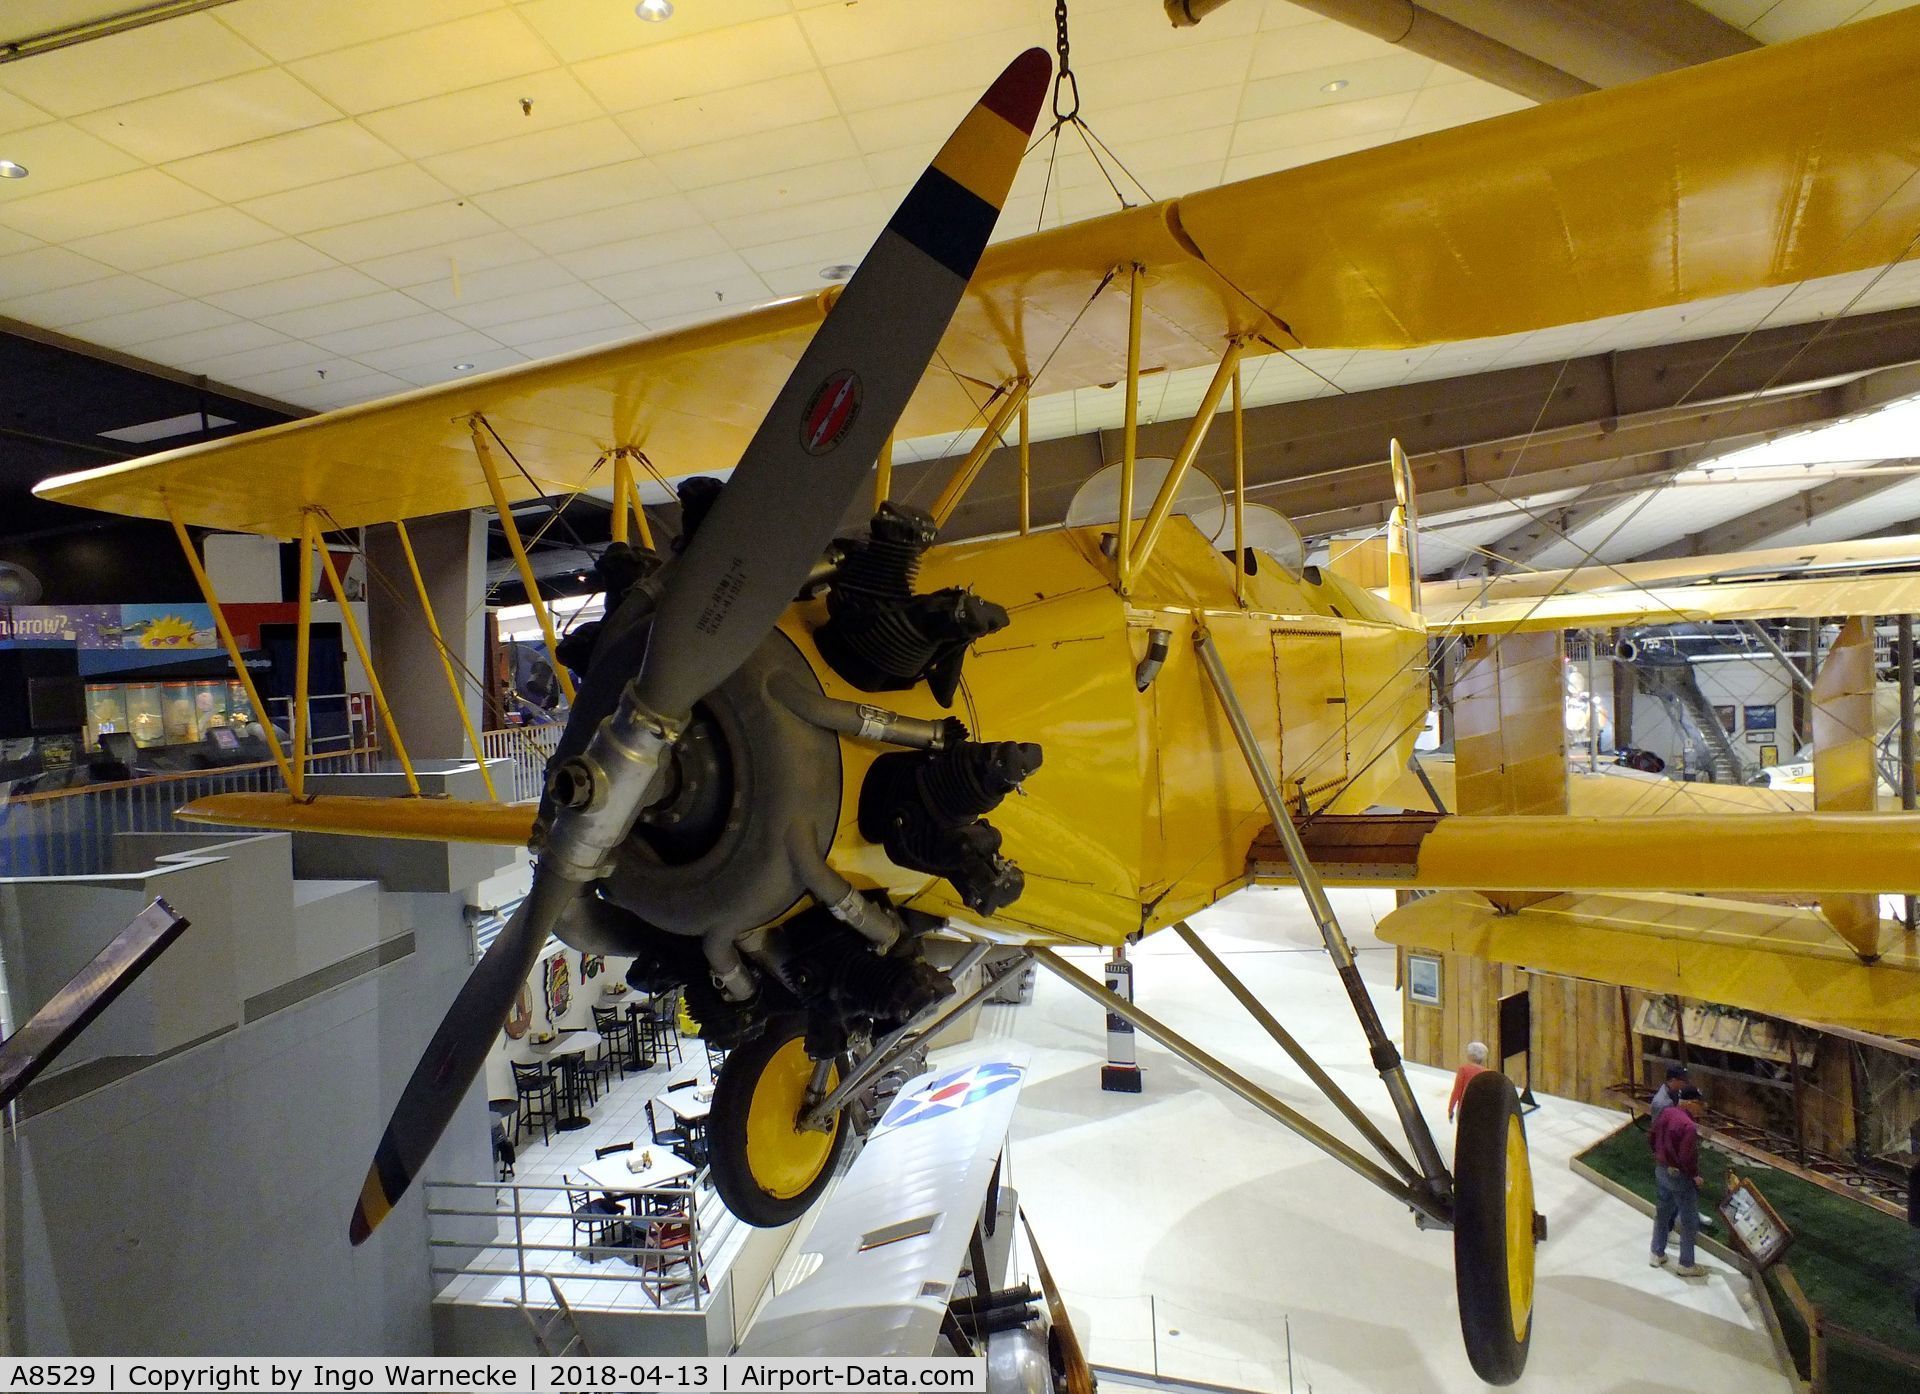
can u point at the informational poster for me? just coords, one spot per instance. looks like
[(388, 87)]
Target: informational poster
[(100, 627), (1760, 1232)]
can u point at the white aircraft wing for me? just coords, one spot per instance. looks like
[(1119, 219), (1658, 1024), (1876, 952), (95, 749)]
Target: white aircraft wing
[(893, 1235)]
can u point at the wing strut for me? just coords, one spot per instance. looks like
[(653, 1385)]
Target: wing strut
[(1437, 1180)]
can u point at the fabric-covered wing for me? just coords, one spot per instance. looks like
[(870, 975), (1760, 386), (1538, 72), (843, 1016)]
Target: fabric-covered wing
[(893, 1236), (1790, 162), (1764, 958), (1812, 597)]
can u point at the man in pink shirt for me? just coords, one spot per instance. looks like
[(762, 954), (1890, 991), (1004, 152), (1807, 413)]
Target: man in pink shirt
[(1676, 1179)]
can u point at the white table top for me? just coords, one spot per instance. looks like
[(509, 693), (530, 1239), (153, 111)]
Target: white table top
[(610, 1173), (688, 1104), (566, 1043)]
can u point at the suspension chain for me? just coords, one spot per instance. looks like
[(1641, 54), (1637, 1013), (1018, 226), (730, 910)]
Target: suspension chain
[(1066, 87)]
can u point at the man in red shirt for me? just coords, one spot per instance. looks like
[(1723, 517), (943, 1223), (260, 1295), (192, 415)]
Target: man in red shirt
[(1476, 1065), (1676, 1179)]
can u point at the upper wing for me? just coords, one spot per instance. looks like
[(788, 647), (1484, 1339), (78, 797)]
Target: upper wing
[(1791, 162), (1811, 597)]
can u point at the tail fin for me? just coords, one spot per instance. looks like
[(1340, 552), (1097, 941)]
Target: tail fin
[(1403, 536)]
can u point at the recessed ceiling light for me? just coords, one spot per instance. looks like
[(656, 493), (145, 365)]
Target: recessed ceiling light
[(1339, 84), (10, 170), (839, 271), (463, 367), (653, 11)]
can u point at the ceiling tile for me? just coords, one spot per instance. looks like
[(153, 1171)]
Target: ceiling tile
[(16, 113), (491, 284), (726, 296), (792, 147), (1375, 116), (965, 66), (876, 29), (663, 127), (346, 315), (1301, 47), (434, 225), (1454, 103), (562, 150), (143, 62), (448, 349), (289, 29), (433, 265), (820, 250), (481, 115), (637, 253), (11, 242), (768, 193), (102, 206), (212, 342), (570, 295), (410, 67), (584, 191), (111, 295), (58, 156), (208, 232), (48, 268), (283, 382), (712, 62), (921, 124), (431, 374), (265, 358), (162, 321), (865, 214), (247, 266), (332, 392), (612, 225), (325, 287), (712, 270), (286, 162), (570, 343), (388, 333), (391, 190), (576, 31), (586, 319), (1293, 92), (212, 116)]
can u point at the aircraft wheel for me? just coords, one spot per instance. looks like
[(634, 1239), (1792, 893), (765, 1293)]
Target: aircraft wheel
[(767, 1170), (1493, 1229)]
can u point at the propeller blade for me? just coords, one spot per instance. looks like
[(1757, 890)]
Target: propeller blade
[(455, 1054), (1079, 1374), (816, 445), (752, 553)]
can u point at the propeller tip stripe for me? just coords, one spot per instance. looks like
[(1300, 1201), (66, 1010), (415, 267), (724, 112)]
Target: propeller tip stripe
[(947, 221), (1016, 94)]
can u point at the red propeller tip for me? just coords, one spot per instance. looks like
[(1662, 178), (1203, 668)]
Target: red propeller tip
[(358, 1229), (1016, 94)]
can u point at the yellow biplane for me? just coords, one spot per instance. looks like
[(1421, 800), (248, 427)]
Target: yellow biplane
[(770, 801)]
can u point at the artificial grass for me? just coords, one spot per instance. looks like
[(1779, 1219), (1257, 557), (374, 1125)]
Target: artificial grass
[(1860, 1267)]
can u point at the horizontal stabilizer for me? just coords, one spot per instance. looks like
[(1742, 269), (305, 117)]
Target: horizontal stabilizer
[(426, 820), (1763, 958), (1776, 854)]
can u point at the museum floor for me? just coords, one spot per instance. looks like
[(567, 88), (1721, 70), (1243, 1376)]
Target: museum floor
[(1243, 1234)]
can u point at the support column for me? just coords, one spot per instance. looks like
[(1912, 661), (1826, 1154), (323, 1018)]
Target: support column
[(452, 552), (1121, 1073)]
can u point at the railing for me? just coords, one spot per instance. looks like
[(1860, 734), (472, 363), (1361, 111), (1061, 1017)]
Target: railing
[(534, 1239), (529, 748), (70, 832)]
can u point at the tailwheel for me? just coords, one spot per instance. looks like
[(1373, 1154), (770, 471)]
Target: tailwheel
[(1493, 1232), (766, 1167)]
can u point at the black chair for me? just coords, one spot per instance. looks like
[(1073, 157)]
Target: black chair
[(503, 1153), (716, 1057), (673, 1137), (659, 1023), (622, 1041), (598, 1218), (611, 1149), (596, 1068), (537, 1098)]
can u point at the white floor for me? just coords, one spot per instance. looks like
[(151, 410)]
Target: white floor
[(541, 1170), (1195, 1237)]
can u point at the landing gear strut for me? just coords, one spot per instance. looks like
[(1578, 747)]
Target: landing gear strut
[(766, 1166)]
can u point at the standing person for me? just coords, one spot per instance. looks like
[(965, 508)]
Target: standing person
[(1665, 1095), (1676, 1178), (1476, 1065)]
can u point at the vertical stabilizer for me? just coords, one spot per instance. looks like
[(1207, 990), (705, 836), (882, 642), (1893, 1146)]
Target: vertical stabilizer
[(1844, 777), (1509, 734)]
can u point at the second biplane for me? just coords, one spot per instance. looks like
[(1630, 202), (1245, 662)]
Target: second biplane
[(772, 801)]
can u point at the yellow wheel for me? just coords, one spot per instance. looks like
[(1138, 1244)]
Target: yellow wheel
[(1493, 1229), (766, 1168)]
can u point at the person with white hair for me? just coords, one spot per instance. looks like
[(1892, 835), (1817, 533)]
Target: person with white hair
[(1476, 1064)]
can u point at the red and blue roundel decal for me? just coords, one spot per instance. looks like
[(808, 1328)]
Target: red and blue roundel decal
[(950, 1093), (830, 412)]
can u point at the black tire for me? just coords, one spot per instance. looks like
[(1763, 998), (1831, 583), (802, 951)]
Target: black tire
[(750, 1185), (1493, 1268)]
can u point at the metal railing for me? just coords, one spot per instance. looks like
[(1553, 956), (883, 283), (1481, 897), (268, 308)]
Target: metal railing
[(534, 1239), (529, 748), (70, 832)]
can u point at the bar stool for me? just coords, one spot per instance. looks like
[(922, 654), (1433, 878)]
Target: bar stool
[(622, 1041), (538, 1100)]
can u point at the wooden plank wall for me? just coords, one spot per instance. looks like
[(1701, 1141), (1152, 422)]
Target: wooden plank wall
[(1583, 1045)]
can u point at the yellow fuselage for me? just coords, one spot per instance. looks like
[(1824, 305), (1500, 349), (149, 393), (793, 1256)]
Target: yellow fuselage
[(1144, 809)]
